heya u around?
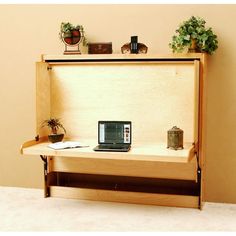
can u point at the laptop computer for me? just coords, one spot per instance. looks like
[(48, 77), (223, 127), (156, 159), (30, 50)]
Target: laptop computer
[(114, 136)]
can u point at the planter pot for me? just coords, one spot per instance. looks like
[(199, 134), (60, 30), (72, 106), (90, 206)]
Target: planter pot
[(71, 38), (67, 35), (75, 40), (193, 46), (68, 40), (75, 33), (53, 138)]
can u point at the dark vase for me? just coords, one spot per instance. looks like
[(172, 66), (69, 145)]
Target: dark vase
[(53, 138)]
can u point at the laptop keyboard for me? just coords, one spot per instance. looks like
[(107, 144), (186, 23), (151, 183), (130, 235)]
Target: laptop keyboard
[(113, 146)]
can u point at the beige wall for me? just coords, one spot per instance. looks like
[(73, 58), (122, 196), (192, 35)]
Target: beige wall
[(27, 31)]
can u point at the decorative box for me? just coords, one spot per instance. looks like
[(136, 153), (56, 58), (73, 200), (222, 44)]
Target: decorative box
[(175, 138), (99, 48)]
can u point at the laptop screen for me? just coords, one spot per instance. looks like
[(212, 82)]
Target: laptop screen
[(111, 132)]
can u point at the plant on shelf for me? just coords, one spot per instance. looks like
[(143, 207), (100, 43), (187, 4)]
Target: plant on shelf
[(54, 125), (71, 34), (194, 36)]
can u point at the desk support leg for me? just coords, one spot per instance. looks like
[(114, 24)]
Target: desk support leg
[(45, 173), (199, 177)]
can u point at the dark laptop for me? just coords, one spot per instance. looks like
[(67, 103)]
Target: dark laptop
[(114, 136)]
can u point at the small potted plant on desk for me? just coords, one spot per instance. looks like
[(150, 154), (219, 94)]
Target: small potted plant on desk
[(54, 125)]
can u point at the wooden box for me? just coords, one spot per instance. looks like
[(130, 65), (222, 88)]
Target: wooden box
[(99, 48)]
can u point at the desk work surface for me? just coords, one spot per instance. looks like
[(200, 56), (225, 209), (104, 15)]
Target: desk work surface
[(139, 152)]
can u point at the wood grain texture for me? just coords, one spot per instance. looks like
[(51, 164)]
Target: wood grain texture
[(127, 197), (146, 152), (43, 97), (155, 97), (124, 167), (87, 57)]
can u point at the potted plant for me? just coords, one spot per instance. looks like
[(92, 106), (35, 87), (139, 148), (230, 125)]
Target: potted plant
[(71, 34), (193, 35), (54, 125)]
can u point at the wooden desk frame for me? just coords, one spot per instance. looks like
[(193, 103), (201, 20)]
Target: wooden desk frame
[(161, 178)]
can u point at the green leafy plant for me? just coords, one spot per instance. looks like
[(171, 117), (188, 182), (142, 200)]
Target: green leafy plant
[(53, 124), (68, 27), (194, 35), (69, 31)]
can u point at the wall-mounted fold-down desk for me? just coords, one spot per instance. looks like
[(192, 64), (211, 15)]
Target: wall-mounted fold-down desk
[(155, 92)]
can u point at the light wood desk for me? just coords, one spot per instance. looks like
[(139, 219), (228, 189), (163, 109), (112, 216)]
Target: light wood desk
[(155, 92), (141, 169)]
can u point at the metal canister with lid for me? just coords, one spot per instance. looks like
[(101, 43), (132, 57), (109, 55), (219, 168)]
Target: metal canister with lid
[(175, 138)]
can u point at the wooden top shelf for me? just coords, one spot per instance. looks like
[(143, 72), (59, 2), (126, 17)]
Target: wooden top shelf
[(121, 57), (138, 152)]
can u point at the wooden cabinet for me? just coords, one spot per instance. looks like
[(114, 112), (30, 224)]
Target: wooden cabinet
[(155, 92)]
